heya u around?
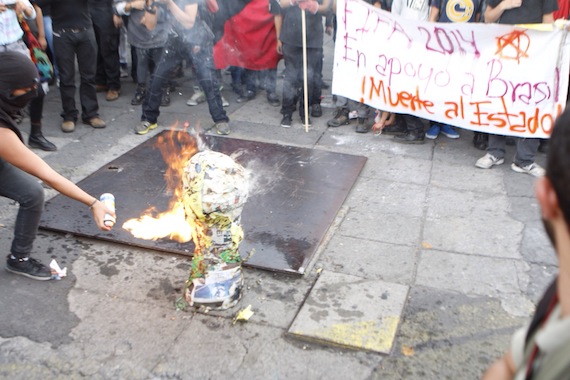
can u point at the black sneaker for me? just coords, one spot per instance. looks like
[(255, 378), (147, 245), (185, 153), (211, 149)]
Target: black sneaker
[(286, 121), (28, 267)]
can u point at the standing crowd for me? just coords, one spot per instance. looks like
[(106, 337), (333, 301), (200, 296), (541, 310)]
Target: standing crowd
[(248, 38)]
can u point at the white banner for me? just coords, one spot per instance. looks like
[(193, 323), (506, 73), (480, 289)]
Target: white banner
[(500, 79)]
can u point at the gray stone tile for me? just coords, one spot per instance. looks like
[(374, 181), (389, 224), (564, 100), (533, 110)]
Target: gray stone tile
[(471, 332), (536, 246), (468, 178), (487, 231), (380, 197), (388, 228), (370, 259), (251, 351), (350, 311), (467, 274)]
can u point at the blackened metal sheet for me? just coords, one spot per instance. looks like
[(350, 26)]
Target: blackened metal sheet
[(296, 197)]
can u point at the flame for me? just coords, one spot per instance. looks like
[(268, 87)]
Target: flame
[(176, 147)]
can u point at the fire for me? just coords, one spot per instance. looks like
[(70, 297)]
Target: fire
[(176, 147)]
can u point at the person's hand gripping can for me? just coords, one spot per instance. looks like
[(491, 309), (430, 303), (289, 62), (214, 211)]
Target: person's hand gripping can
[(108, 200)]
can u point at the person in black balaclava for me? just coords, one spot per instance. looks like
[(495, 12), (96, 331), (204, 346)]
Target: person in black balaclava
[(18, 86)]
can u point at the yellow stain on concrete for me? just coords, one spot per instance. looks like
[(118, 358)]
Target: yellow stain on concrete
[(377, 335)]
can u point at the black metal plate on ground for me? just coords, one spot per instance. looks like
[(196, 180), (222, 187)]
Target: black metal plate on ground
[(297, 195)]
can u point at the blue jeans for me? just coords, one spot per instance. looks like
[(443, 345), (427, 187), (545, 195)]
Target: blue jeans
[(144, 58), (29, 193), (49, 38), (203, 61)]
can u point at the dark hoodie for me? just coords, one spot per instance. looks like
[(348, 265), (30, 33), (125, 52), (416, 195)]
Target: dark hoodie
[(18, 71)]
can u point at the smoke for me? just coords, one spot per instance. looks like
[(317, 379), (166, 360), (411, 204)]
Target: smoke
[(261, 177)]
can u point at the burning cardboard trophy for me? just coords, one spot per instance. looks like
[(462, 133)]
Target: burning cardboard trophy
[(210, 190), (214, 193)]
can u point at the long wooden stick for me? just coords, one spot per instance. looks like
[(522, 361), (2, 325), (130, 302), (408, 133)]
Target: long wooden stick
[(305, 86)]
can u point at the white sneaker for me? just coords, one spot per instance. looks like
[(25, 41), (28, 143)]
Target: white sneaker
[(533, 169), (488, 161), (197, 98), (225, 103)]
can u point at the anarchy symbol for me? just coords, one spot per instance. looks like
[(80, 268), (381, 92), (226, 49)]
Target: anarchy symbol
[(513, 45)]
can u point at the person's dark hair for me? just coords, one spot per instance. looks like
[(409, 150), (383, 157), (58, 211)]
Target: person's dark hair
[(558, 161)]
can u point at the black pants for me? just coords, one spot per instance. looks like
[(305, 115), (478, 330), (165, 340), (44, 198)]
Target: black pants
[(107, 37), (293, 81), (67, 46)]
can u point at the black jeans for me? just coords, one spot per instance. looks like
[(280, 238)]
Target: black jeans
[(27, 191), (203, 61), (67, 46), (293, 81), (107, 36)]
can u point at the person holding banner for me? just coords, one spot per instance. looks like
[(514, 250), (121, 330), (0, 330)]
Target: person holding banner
[(409, 129), (516, 12), (452, 11), (291, 45)]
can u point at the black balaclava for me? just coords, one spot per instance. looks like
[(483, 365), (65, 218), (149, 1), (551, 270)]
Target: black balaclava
[(16, 71)]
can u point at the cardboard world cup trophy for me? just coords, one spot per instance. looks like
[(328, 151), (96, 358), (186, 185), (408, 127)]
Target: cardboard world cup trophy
[(215, 189)]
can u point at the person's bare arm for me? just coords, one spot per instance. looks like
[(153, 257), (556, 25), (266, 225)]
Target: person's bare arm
[(12, 150), (502, 369), (433, 13), (41, 30), (186, 17), (278, 20), (548, 18), (493, 14)]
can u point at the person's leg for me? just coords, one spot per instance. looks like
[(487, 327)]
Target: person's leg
[(495, 152), (64, 46), (497, 146), (151, 104), (414, 131), (293, 69), (208, 80), (270, 79), (86, 49), (341, 113), (364, 114), (100, 77), (109, 52), (36, 139), (313, 55), (525, 156), (250, 79), (29, 193)]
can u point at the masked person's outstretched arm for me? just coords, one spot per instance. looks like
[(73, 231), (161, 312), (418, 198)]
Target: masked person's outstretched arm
[(12, 150)]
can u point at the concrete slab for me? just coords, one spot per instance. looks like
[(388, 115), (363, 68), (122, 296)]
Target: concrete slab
[(353, 312), (370, 259)]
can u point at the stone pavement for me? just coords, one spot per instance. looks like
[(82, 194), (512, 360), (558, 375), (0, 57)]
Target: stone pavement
[(430, 260)]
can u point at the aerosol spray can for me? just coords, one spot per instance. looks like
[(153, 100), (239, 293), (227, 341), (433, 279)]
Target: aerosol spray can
[(108, 200)]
